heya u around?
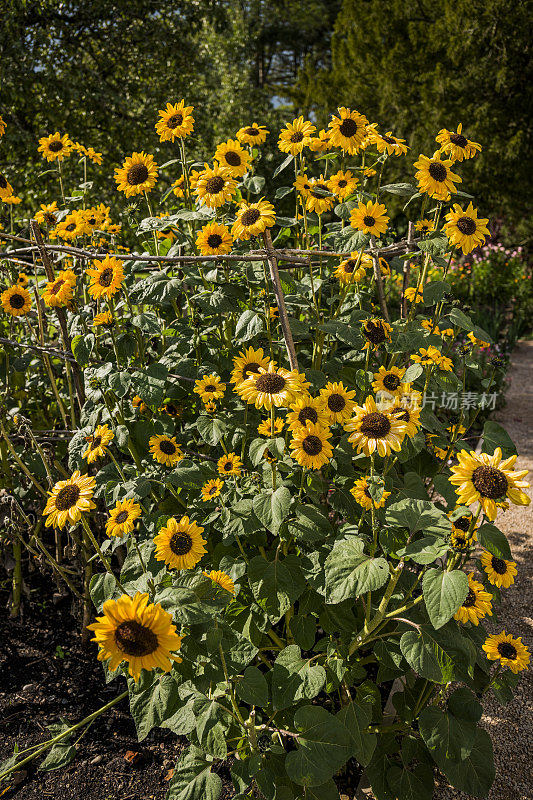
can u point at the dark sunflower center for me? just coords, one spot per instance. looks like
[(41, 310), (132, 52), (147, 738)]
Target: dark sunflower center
[(388, 139), (250, 368), (391, 381), (71, 227), (336, 402), (92, 220), (167, 447), (490, 482), (270, 383), (49, 218), (348, 127), (470, 599), (228, 466), (458, 139), (438, 171), (174, 121), (138, 173), (499, 565), (296, 137), (171, 409), (135, 639), (349, 266), (251, 131), (3, 182), (214, 185), (56, 146), (463, 523), (181, 543), (402, 414), (96, 442), (214, 240), (16, 301), (466, 225), (106, 277), (342, 183), (375, 425), (250, 216), (460, 540), (507, 650), (375, 333), (212, 490), (233, 158), (210, 388), (312, 445), (369, 221), (308, 414), (121, 517), (67, 497)]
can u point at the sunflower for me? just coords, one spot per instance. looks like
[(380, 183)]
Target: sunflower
[(211, 489), (435, 177), (55, 147), (307, 409), (464, 229), (271, 386), (361, 493), (373, 430), (384, 267), (68, 499), (408, 413), (94, 217), (387, 143), (105, 318), (310, 446), (58, 293), (247, 363), (431, 356), (231, 155), (253, 219), (122, 518), (389, 380), (461, 540), (12, 200), (16, 301), (47, 214), (229, 464), (71, 227), (424, 225), (296, 136), (319, 197), (3, 126), (477, 603), (376, 331), (457, 146), (302, 184), (214, 240), (106, 277), (265, 427), (353, 269), (320, 143), (488, 480), (165, 450), (252, 134), (337, 402), (368, 172), (137, 175), (98, 442), (92, 155), (342, 184), (499, 571), (414, 294), (222, 579), (370, 218), (136, 631), (176, 122), (215, 186), (477, 342), (511, 652), (180, 544), (171, 408), (209, 388), (6, 190), (348, 129), (22, 279)]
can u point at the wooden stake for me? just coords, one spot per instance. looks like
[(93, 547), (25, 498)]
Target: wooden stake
[(280, 300)]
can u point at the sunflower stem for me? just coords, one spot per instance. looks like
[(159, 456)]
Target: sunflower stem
[(103, 559)]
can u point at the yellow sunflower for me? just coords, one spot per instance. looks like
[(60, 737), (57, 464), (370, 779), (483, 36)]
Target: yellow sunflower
[(165, 450), (136, 631), (456, 145), (105, 318), (106, 277), (265, 427), (302, 184), (6, 190), (214, 240), (171, 408), (215, 186), (348, 129), (16, 301), (209, 388), (310, 446), (253, 219), (248, 362), (431, 356), (370, 218), (424, 225), (122, 518), (252, 134), (229, 464), (488, 480), (271, 386), (92, 155), (387, 143), (462, 540), (435, 176), (373, 430), (98, 442), (231, 155), (58, 293), (500, 572), (307, 409), (478, 603), (376, 331), (465, 229), (71, 227), (69, 499), (55, 147), (211, 489), (22, 279), (389, 380), (221, 578), (408, 412), (12, 200), (368, 172), (512, 653), (319, 198), (353, 269), (361, 493), (3, 126), (320, 143), (180, 544), (343, 184), (337, 402), (295, 136), (176, 122), (47, 214), (137, 175)]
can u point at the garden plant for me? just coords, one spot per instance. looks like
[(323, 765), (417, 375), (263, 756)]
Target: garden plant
[(225, 430)]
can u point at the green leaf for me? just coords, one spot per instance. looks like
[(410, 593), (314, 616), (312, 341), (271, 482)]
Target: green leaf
[(437, 656), (310, 524), (356, 717), (350, 572), (60, 755), (193, 779), (275, 586), (150, 384), (271, 508), (435, 243), (446, 734), (152, 703), (249, 324), (418, 515), (493, 540), (404, 189), (444, 593), (413, 372), (495, 436), (102, 587), (284, 164), (424, 550), (295, 678), (211, 429), (253, 688), (82, 347), (327, 791), (434, 292), (475, 774), (303, 630), (210, 727), (412, 784), (323, 747), (254, 183)]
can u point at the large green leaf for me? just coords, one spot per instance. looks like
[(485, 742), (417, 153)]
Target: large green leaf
[(412, 784), (253, 688), (323, 747), (493, 540), (444, 592), (310, 525), (475, 774), (211, 429), (275, 584), (350, 572), (356, 717), (295, 678), (193, 779), (495, 436), (272, 507), (248, 325), (418, 515), (151, 702), (436, 655), (451, 734)]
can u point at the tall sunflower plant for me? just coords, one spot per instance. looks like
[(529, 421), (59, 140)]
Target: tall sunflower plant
[(292, 546)]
